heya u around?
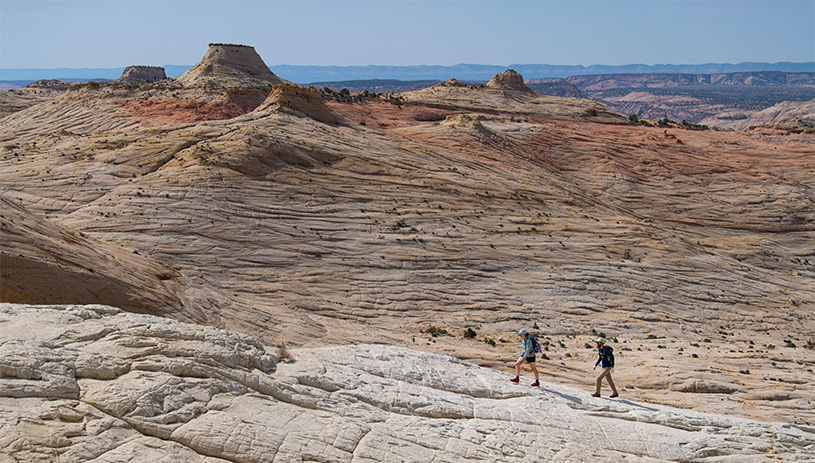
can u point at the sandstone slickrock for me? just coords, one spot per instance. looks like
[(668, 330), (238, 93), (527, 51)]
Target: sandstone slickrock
[(230, 65), (507, 93), (452, 208), (508, 80), (298, 101), (12, 101), (133, 74), (92, 383)]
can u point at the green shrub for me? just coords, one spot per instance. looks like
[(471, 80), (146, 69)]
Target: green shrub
[(435, 332)]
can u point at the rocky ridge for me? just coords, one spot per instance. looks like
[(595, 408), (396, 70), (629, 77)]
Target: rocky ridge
[(12, 101), (92, 383), (777, 114), (506, 93)]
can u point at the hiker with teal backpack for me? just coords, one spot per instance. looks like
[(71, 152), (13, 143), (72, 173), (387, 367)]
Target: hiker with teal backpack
[(607, 359), (530, 346)]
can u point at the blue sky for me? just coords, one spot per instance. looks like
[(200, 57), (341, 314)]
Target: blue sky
[(116, 33)]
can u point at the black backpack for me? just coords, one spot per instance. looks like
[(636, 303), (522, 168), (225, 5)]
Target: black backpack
[(608, 353), (536, 348)]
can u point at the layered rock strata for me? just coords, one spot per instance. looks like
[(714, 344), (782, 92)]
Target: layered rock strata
[(457, 210), (231, 66), (91, 383)]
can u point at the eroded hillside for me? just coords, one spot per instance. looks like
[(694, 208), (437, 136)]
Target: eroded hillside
[(452, 208)]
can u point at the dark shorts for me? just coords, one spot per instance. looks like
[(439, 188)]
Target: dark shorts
[(530, 358)]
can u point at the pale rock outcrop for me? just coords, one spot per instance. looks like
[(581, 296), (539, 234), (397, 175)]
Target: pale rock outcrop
[(453, 82), (133, 74), (298, 101), (508, 80), (50, 84), (92, 383), (776, 114), (231, 66), (505, 93)]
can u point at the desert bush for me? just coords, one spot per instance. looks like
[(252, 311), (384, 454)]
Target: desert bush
[(283, 354), (435, 332)]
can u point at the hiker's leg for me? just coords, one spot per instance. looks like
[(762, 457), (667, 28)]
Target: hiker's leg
[(610, 381), (518, 367), (599, 380), (534, 370)]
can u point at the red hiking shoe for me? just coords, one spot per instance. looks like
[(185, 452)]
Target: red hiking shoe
[(535, 384), (515, 379)]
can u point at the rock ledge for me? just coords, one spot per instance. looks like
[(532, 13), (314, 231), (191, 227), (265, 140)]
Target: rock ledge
[(92, 383)]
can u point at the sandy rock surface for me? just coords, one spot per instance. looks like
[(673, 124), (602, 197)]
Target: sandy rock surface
[(12, 101), (453, 210), (92, 383)]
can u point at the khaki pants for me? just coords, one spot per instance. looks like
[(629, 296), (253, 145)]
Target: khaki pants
[(605, 374)]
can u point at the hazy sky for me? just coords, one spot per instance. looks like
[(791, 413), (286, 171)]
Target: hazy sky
[(117, 33)]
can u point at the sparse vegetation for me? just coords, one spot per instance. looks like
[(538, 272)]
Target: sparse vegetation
[(345, 96), (283, 354), (435, 332), (691, 126)]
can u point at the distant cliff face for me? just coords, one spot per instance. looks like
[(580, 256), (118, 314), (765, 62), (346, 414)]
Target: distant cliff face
[(765, 78), (795, 115), (717, 100), (554, 87)]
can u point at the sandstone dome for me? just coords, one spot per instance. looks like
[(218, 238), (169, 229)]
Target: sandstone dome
[(508, 80), (228, 65), (298, 101), (133, 74)]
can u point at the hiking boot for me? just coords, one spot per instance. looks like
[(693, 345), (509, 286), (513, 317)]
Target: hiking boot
[(595, 395), (515, 379), (614, 395), (535, 384)]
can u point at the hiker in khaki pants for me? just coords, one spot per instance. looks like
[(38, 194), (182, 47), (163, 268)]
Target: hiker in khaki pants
[(607, 359)]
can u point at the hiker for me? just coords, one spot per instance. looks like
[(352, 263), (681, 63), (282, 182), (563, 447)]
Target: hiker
[(528, 356), (607, 359)]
